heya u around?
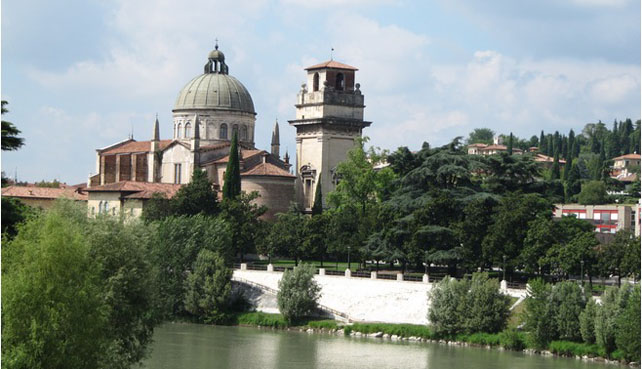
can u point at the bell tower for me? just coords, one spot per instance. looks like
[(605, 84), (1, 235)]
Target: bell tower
[(329, 117)]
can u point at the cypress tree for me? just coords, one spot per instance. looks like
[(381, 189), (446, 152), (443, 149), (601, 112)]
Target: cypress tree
[(574, 184), (232, 185), (317, 208), (571, 143), (550, 146), (555, 170), (542, 142), (510, 144), (567, 169)]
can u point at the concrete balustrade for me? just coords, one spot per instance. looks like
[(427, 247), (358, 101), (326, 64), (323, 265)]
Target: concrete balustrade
[(348, 273), (321, 271), (270, 268), (243, 266), (373, 275), (399, 277), (425, 278)]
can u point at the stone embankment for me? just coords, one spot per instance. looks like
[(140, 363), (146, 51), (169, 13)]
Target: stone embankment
[(349, 298)]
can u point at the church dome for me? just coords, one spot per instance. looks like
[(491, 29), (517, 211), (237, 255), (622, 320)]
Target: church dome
[(215, 89)]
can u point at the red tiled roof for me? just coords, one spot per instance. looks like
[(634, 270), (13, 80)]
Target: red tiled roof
[(267, 169), (628, 156), (33, 192), (244, 155), (331, 64), (136, 146), (541, 158), (142, 190), (495, 147)]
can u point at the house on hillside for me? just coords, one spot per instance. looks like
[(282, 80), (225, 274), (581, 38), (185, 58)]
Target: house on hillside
[(44, 197)]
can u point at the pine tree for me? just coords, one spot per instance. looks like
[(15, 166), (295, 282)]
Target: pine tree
[(232, 185), (510, 144), (555, 170), (317, 208)]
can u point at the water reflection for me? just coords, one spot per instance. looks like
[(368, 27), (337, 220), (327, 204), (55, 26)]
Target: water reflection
[(195, 346)]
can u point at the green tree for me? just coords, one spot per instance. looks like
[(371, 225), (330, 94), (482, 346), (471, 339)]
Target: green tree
[(208, 287), (570, 303), (232, 181), (481, 135), (448, 305), (606, 328), (555, 169), (627, 337), (509, 148), (576, 243), (539, 314), (286, 236), (573, 184), (53, 312), (587, 322), (156, 208), (10, 139), (488, 308), (298, 292), (477, 219), (593, 193), (127, 286), (196, 197), (14, 212), (543, 233), (317, 208), (243, 217), (620, 256)]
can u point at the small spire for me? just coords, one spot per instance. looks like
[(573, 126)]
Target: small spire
[(287, 156), (216, 44), (275, 139), (331, 53), (156, 133)]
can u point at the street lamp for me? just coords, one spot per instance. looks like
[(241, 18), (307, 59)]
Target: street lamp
[(582, 271), (348, 257), (504, 257)]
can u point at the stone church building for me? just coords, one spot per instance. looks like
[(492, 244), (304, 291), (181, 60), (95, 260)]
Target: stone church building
[(208, 111)]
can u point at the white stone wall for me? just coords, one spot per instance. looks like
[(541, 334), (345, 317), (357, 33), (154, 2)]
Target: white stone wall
[(176, 154), (362, 299), (95, 199)]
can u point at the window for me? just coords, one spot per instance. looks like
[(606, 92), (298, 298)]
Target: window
[(106, 207), (188, 130), (177, 173), (100, 207), (235, 129), (340, 83), (244, 133), (315, 82), (178, 130), (223, 132)]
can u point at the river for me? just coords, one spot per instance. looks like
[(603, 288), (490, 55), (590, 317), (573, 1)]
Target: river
[(194, 346)]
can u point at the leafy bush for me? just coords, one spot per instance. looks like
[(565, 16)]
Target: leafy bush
[(512, 339), (298, 292), (402, 330), (567, 348), (448, 302), (570, 303), (627, 336), (486, 339), (539, 315), (587, 322), (262, 319), (208, 287), (613, 302), (323, 324)]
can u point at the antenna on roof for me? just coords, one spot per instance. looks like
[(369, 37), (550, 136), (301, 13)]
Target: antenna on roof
[(331, 52)]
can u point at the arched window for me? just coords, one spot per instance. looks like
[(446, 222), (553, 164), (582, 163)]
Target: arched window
[(188, 130), (340, 82), (223, 132), (100, 207), (315, 82), (178, 130), (244, 133), (235, 129), (106, 207)]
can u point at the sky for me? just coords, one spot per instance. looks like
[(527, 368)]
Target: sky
[(83, 74)]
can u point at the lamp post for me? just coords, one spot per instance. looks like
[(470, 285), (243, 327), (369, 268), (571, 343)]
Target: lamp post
[(504, 269), (348, 257), (582, 271)]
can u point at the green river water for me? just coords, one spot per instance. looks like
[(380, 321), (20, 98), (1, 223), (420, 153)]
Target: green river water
[(193, 346)]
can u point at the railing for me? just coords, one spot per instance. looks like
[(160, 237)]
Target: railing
[(256, 267), (361, 274), (387, 276), (516, 286), (412, 278), (334, 272)]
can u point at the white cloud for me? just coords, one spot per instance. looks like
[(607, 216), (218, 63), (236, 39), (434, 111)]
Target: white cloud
[(335, 3)]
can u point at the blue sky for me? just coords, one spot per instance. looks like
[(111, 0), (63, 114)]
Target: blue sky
[(82, 75)]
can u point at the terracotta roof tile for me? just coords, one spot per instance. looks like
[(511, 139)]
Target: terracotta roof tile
[(628, 156), (244, 155), (146, 189), (267, 169), (541, 158), (33, 192), (478, 145), (331, 64), (136, 146)]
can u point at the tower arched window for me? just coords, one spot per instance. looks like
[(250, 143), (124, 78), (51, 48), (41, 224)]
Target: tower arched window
[(315, 82), (235, 129), (223, 132), (188, 130), (179, 130), (244, 133), (340, 83)]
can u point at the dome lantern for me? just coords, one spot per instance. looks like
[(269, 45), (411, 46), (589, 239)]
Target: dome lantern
[(216, 61)]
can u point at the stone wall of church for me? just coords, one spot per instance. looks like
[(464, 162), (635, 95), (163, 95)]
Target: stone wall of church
[(176, 155), (276, 192), (211, 122)]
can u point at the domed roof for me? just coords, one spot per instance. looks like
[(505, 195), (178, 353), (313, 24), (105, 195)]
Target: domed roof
[(215, 91)]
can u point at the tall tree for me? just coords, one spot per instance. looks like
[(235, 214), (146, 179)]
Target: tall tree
[(10, 139), (481, 135), (232, 185), (555, 169), (198, 196), (509, 149), (317, 207), (542, 143)]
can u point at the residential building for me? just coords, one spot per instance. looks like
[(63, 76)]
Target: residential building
[(606, 218), (44, 197)]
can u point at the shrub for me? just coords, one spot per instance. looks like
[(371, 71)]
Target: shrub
[(587, 322), (627, 337), (486, 339), (512, 339), (257, 318), (567, 348), (613, 301), (298, 292), (402, 330), (488, 309), (570, 303), (208, 287), (540, 314), (448, 303)]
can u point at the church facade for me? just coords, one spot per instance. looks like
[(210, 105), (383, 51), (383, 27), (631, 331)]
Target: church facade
[(209, 110)]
